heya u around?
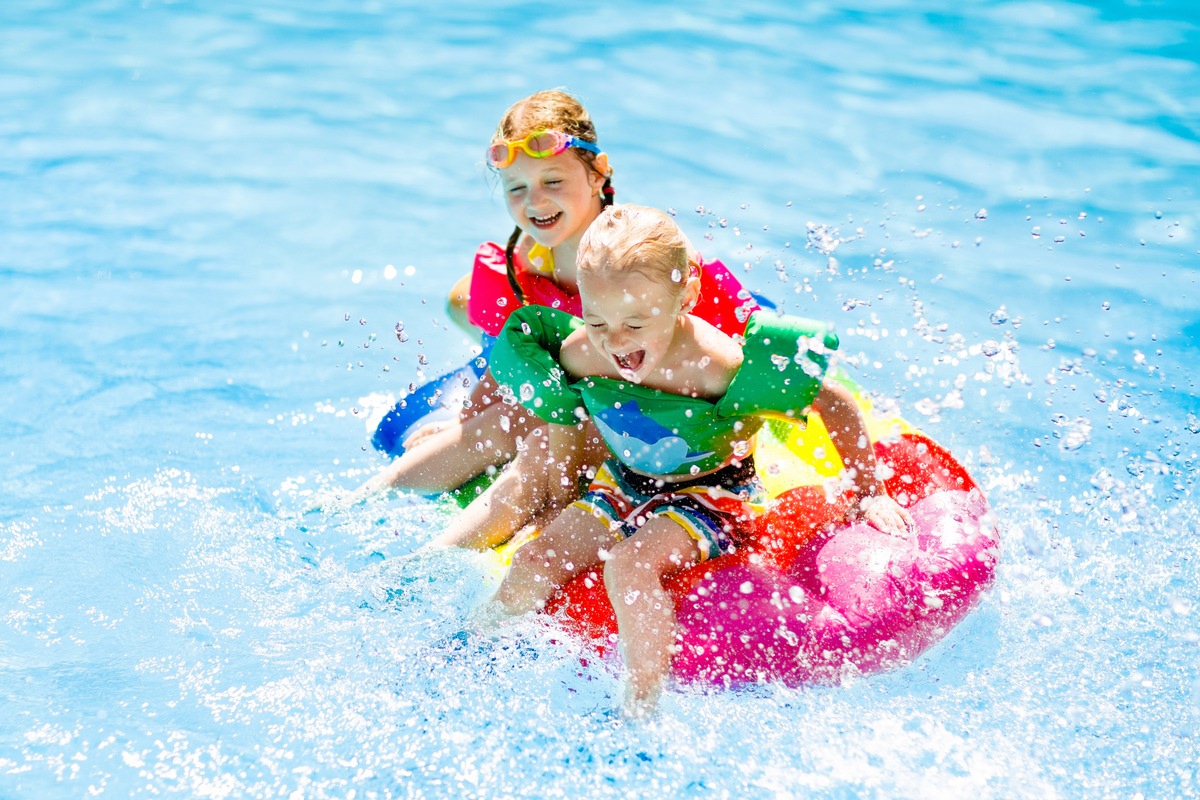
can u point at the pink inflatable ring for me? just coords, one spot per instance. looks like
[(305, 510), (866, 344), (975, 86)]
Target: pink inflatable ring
[(812, 599)]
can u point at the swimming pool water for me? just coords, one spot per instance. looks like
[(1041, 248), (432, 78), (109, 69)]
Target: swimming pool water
[(212, 217)]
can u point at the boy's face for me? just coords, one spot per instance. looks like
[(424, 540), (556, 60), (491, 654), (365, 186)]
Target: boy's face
[(632, 319)]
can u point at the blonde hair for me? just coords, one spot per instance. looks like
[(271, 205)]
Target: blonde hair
[(637, 238)]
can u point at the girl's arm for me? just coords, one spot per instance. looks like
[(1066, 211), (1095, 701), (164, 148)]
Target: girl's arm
[(848, 431)]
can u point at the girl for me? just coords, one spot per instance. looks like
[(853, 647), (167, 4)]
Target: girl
[(556, 181), (677, 401)]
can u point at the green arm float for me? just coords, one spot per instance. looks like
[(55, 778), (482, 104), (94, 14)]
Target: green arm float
[(525, 360), (783, 365)]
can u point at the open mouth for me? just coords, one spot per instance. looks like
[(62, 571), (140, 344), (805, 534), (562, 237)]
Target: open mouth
[(545, 222), (630, 362)]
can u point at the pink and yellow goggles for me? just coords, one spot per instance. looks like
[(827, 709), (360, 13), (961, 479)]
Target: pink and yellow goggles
[(539, 144)]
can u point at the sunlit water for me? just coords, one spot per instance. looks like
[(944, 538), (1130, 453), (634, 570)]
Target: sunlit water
[(213, 215)]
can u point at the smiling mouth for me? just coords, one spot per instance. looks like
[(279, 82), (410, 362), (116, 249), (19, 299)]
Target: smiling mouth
[(630, 362), (545, 222)]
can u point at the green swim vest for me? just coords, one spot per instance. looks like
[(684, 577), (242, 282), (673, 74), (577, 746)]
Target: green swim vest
[(656, 432)]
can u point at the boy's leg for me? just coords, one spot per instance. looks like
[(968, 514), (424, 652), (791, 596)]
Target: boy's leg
[(573, 542), (645, 612)]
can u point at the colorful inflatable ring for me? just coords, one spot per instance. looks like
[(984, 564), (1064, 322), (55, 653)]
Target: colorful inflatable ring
[(813, 599)]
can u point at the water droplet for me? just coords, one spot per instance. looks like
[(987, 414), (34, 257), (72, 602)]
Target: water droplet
[(999, 316), (990, 348), (981, 214), (1036, 232), (1105, 305), (676, 276), (746, 588)]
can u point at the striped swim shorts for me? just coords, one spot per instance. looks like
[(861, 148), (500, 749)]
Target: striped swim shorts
[(714, 509)]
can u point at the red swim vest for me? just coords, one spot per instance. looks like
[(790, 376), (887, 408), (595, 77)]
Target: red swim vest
[(723, 301)]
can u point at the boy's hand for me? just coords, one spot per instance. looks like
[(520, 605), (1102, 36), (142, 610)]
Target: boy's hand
[(886, 514)]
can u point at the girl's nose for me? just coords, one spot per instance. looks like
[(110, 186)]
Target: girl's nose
[(535, 198)]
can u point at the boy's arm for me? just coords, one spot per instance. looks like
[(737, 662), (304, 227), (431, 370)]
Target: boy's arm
[(525, 359), (848, 431)]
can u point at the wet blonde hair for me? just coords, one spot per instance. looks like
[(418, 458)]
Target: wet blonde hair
[(638, 238), (551, 110)]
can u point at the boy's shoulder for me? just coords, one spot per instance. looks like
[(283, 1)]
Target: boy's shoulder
[(578, 355), (716, 357)]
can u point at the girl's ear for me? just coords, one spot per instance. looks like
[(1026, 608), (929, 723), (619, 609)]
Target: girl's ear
[(601, 171)]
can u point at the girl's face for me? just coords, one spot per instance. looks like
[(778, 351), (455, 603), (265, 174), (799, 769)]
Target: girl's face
[(553, 199), (632, 319)]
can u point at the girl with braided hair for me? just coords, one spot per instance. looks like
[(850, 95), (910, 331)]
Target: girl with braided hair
[(556, 181)]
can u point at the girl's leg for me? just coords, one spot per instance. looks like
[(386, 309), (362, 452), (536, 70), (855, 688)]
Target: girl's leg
[(573, 542), (457, 452), (541, 481), (633, 577)]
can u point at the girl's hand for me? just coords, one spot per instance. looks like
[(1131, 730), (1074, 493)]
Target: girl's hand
[(421, 434), (885, 514)]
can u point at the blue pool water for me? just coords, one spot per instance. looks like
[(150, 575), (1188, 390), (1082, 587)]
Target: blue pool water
[(213, 215)]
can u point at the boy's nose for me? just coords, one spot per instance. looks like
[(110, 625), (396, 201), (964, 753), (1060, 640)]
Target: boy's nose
[(615, 342)]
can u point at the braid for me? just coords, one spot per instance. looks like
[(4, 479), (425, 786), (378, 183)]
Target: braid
[(510, 267), (608, 195)]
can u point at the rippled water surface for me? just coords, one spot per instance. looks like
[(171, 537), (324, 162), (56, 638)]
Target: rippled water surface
[(213, 215)]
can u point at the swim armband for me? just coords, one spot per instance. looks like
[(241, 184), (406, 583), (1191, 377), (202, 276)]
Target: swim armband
[(525, 359), (784, 361)]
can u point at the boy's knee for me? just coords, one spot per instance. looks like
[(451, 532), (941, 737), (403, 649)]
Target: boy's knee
[(624, 570)]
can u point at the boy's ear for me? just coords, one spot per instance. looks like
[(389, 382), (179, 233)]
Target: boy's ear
[(691, 293)]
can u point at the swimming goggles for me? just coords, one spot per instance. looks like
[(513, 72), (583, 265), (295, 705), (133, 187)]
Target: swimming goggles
[(539, 144)]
